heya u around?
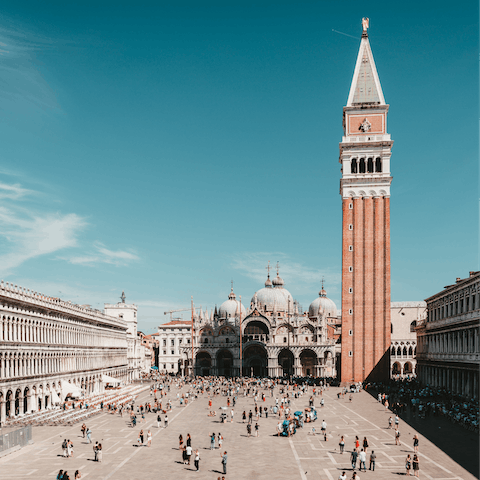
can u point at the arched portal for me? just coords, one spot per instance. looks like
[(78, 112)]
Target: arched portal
[(203, 363), (308, 360), (255, 330), (26, 398), (407, 368), (225, 363), (255, 361), (396, 368), (286, 361), (9, 407)]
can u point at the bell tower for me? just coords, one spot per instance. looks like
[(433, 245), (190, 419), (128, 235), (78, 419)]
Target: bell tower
[(365, 152)]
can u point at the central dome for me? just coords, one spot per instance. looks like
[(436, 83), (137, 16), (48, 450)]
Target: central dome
[(273, 295)]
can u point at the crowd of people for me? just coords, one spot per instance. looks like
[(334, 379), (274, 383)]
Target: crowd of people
[(403, 396)]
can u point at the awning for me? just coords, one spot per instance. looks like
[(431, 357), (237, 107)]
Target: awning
[(69, 389), (108, 379), (55, 397), (154, 368)]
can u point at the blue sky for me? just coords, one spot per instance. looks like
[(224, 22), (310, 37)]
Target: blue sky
[(166, 148)]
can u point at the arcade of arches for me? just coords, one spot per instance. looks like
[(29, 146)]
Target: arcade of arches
[(46, 343)]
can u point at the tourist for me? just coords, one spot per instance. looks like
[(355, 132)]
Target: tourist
[(256, 429), (342, 444), (65, 448), (231, 415), (188, 453), (180, 441), (416, 465), (373, 457), (355, 476), (415, 443), (69, 448), (390, 421), (83, 430), (353, 458), (99, 452), (397, 437), (166, 421), (365, 444), (189, 440), (140, 437), (343, 476), (159, 420), (197, 460), (59, 475), (363, 460), (249, 429), (224, 462), (95, 452), (149, 438), (244, 416), (408, 465), (212, 442), (220, 440), (77, 475)]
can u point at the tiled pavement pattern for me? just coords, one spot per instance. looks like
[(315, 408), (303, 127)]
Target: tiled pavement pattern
[(302, 456)]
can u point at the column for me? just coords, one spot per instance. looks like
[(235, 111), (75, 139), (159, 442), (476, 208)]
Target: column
[(2, 411)]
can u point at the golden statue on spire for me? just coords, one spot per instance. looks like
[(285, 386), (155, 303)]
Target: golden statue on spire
[(365, 22)]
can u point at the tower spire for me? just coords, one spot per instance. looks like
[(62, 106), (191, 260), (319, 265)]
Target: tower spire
[(365, 88)]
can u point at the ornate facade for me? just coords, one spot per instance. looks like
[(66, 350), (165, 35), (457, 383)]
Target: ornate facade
[(273, 337), (48, 344), (448, 353)]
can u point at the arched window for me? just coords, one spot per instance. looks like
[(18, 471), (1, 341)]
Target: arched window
[(392, 352), (391, 328), (404, 351), (413, 325), (227, 340), (206, 340), (362, 165), (353, 165), (378, 164), (370, 165), (399, 352), (410, 351)]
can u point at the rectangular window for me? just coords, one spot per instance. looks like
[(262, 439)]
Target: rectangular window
[(350, 332), (173, 342), (164, 365), (179, 340), (173, 352), (350, 227), (350, 248), (350, 353), (350, 269), (350, 206), (173, 366), (350, 312), (188, 340), (164, 352), (350, 290)]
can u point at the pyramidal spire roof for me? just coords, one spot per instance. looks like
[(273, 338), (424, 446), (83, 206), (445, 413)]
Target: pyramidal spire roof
[(366, 88)]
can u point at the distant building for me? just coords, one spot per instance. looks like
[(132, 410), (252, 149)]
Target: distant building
[(172, 337), (448, 353), (405, 316), (128, 313)]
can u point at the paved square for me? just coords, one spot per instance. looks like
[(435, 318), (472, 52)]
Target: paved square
[(302, 456)]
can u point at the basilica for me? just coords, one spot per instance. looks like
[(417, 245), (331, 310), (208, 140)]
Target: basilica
[(272, 337)]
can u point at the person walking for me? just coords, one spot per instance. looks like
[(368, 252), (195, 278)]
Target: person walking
[(159, 420), (408, 465), (100, 453), (256, 430), (365, 444), (59, 475), (212, 442), (231, 415), (342, 444), (95, 452), (77, 475), (244, 416), (416, 465), (89, 435), (140, 437), (397, 437), (373, 457), (166, 420), (197, 460), (224, 462), (65, 448), (353, 458), (149, 438), (220, 440), (249, 429), (189, 440), (363, 460), (343, 476), (83, 430), (69, 448)]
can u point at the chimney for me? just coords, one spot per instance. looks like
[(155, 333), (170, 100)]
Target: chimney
[(458, 279)]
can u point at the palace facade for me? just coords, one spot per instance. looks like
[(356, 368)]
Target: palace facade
[(50, 347)]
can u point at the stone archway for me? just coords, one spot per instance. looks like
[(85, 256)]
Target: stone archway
[(225, 363), (286, 361), (407, 368), (255, 361), (203, 364), (396, 369), (308, 361)]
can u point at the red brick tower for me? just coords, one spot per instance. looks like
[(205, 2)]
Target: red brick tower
[(365, 153)]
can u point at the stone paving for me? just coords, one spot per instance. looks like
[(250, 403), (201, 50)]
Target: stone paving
[(303, 456)]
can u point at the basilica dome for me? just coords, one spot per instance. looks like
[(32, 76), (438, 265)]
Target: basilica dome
[(274, 294), (322, 305), (229, 308)]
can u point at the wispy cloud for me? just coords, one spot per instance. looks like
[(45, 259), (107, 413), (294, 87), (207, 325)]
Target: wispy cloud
[(26, 236), (101, 254), (13, 192)]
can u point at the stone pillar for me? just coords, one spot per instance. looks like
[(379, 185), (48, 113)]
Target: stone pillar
[(12, 406), (2, 412)]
